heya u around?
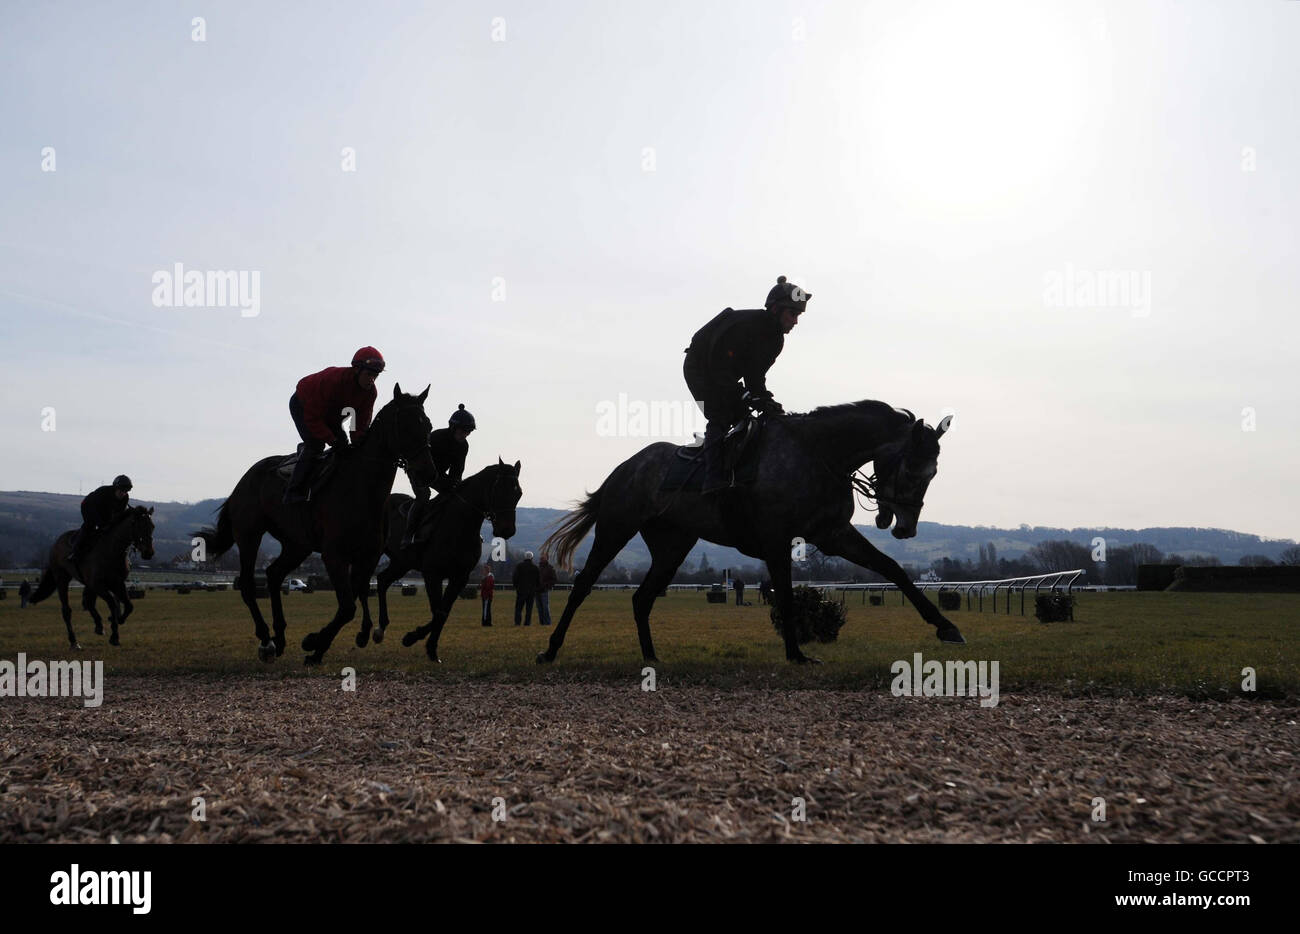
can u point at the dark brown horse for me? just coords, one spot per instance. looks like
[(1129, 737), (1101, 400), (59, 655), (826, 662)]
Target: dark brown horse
[(803, 492), (103, 570), (344, 521), (452, 550)]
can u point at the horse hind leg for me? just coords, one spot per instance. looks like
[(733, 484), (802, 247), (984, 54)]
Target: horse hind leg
[(289, 558), (604, 549), (248, 545), (114, 618), (395, 569), (668, 549)]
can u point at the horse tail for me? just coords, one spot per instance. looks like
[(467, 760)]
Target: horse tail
[(45, 587), (221, 539), (571, 530)]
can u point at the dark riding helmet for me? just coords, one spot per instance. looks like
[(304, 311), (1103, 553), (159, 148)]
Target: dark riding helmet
[(122, 482), (786, 295), (367, 358), (461, 419)]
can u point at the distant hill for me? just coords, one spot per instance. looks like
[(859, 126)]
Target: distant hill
[(29, 522)]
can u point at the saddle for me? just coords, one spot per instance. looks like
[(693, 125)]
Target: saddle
[(318, 474), (739, 458)]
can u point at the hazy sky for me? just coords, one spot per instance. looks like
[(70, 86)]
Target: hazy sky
[(546, 206)]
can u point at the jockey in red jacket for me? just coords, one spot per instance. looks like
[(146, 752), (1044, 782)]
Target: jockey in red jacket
[(318, 405)]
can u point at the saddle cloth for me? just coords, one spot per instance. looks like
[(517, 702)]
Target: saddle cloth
[(739, 459)]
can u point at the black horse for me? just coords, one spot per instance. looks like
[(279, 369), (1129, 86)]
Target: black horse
[(103, 570), (344, 522), (452, 550), (803, 490)]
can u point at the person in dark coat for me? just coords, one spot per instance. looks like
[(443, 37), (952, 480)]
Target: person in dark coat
[(448, 447), (487, 586), (765, 591), (738, 346), (740, 591), (24, 591), (526, 580), (546, 581), (98, 511), (317, 405)]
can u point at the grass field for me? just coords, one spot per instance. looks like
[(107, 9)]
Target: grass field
[(1146, 643)]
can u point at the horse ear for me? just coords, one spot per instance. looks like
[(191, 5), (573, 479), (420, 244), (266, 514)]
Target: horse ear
[(151, 510), (424, 395), (943, 425), (500, 462), (517, 463), (397, 390), (918, 430)]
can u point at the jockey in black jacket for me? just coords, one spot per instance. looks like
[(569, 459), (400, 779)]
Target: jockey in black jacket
[(735, 346), (98, 510), (449, 448)]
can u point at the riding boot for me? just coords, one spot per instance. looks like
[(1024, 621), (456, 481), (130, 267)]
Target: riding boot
[(413, 523), (294, 492), (714, 476)]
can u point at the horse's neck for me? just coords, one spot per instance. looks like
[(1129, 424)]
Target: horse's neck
[(376, 468), (467, 497), (119, 535), (855, 436)]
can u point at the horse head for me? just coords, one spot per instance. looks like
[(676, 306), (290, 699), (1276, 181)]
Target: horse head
[(904, 474), (403, 429), (503, 495), (142, 531)]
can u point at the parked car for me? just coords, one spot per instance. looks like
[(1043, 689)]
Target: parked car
[(293, 584)]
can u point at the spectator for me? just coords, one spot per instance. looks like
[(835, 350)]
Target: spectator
[(546, 575), (526, 581), (765, 591), (740, 591), (485, 589), (24, 591)]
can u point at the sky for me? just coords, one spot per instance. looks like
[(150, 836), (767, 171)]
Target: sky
[(1070, 225)]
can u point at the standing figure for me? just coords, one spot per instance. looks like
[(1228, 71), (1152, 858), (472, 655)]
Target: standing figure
[(526, 580), (485, 589)]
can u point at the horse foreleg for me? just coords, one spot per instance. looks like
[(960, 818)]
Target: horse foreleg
[(667, 552), (66, 609), (114, 617), (318, 643), (850, 544), (455, 585), (778, 566), (88, 599), (432, 590)]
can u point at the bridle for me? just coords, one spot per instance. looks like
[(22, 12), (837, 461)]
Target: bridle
[(484, 512), (402, 458), (862, 483)]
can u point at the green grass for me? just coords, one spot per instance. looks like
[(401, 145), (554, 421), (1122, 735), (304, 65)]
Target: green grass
[(1194, 644)]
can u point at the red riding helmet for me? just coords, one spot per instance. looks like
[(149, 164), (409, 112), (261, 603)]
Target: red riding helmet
[(367, 358)]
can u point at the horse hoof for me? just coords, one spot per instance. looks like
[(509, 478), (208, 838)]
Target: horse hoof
[(99, 629), (410, 639), (279, 644), (805, 660), (266, 652), (379, 635), (76, 646), (432, 652), (951, 635), (311, 661), (544, 659), (309, 642), (114, 640), (363, 639)]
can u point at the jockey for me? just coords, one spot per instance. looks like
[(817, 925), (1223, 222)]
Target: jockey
[(98, 511), (735, 346), (317, 407), (448, 447)]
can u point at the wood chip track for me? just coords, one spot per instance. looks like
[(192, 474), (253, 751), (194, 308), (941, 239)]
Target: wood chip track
[(297, 760)]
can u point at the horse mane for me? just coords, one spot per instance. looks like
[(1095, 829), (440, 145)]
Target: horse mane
[(862, 406)]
